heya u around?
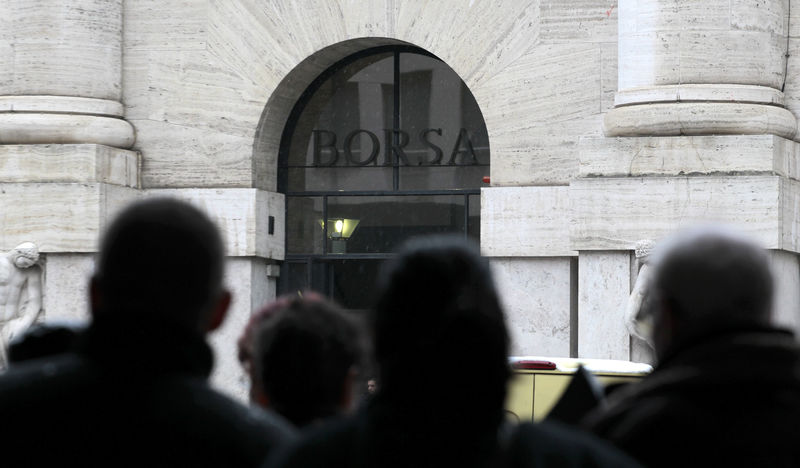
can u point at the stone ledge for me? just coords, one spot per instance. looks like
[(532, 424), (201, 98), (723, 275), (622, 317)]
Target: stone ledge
[(699, 118), (242, 215), (613, 213), (70, 218), (699, 92), (62, 104), (704, 155), (31, 128), (84, 163), (525, 222), (59, 217)]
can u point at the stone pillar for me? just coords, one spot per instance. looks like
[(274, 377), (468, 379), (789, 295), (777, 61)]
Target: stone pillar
[(64, 165), (699, 133), (603, 287), (61, 73), (525, 233), (701, 68)]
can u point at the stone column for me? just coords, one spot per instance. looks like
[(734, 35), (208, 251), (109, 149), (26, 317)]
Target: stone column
[(699, 133), (65, 167), (603, 287), (701, 68), (61, 73)]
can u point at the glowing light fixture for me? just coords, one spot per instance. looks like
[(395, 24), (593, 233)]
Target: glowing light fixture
[(339, 230)]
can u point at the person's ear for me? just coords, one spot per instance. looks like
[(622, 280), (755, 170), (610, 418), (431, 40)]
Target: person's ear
[(220, 310), (95, 296)]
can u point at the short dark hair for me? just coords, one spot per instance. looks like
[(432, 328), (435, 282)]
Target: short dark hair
[(161, 257), (303, 352), (713, 276), (438, 323)]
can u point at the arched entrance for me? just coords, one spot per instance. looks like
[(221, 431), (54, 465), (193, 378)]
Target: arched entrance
[(386, 144)]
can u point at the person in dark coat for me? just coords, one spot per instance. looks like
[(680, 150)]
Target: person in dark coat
[(133, 389), (726, 389), (441, 346)]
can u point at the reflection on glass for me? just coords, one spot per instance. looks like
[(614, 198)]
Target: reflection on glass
[(381, 132), (446, 131), (350, 135), (442, 177), (387, 221), (474, 227), (293, 278), (302, 231), (340, 178), (341, 126)]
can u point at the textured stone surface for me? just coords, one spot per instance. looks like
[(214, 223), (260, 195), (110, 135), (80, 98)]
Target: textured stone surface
[(242, 216), (786, 307), (713, 41), (59, 217), (614, 213), (700, 92), (689, 155), (603, 289), (61, 48), (259, 57), (535, 121), (42, 128), (699, 118), (578, 21), (792, 78), (69, 163), (525, 221), (66, 287), (536, 298), (70, 104)]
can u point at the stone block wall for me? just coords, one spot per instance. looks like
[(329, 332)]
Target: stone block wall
[(608, 122)]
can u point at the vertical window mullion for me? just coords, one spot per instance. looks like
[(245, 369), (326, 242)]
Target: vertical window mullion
[(324, 225), (396, 123), (466, 216)]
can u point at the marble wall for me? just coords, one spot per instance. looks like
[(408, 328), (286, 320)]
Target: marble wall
[(205, 87)]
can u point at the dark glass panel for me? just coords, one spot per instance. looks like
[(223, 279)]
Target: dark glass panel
[(353, 282), (442, 125), (442, 177), (355, 100), (474, 227), (384, 222), (294, 278), (340, 178), (303, 231)]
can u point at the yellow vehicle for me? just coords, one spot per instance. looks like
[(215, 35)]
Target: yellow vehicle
[(538, 382)]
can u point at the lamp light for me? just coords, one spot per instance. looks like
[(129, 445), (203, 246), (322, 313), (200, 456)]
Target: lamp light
[(339, 230)]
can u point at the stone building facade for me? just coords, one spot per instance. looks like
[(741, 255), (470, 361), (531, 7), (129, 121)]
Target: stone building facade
[(608, 122)]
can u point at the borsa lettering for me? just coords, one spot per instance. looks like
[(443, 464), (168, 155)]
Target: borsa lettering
[(326, 151)]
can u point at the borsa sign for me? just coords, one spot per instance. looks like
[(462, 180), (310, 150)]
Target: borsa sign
[(327, 152)]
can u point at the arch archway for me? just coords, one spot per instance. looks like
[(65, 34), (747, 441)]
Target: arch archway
[(385, 144)]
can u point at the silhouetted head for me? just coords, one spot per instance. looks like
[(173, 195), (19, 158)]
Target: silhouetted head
[(440, 336), (305, 355), (708, 278), (161, 260)]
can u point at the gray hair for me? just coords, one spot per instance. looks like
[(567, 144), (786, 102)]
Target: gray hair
[(714, 275)]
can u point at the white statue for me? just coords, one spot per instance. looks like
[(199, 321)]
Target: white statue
[(637, 318), (20, 293)]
